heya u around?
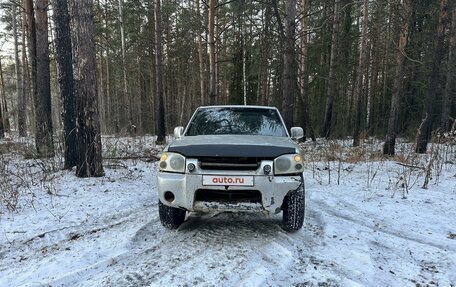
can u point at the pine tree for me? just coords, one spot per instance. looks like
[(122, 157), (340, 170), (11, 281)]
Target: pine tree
[(64, 60), (87, 118), (425, 128), (44, 141)]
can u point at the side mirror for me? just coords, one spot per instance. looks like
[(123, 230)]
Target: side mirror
[(297, 133), (178, 132)]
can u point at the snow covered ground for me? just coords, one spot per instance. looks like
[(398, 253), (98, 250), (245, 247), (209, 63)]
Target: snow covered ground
[(362, 228)]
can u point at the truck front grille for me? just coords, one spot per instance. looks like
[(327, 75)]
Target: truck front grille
[(230, 163)]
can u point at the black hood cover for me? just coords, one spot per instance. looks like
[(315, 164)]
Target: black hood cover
[(227, 150), (233, 146)]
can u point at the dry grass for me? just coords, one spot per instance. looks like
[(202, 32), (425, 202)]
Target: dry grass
[(11, 147), (334, 160)]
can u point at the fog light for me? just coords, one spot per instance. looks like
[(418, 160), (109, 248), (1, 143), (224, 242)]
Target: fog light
[(169, 196), (191, 167), (163, 164), (298, 166), (267, 169)]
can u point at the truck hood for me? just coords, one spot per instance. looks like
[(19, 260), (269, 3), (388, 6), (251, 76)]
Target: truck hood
[(233, 146)]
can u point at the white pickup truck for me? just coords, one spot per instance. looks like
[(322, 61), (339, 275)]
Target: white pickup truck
[(232, 158)]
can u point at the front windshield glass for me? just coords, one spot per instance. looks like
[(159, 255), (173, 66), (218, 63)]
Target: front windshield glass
[(236, 121)]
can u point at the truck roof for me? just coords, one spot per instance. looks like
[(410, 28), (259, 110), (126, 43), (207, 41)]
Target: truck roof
[(238, 106)]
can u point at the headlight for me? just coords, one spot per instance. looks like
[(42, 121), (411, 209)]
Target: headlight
[(172, 162), (288, 164)]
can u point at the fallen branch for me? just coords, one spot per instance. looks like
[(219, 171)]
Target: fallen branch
[(147, 158), (410, 166)]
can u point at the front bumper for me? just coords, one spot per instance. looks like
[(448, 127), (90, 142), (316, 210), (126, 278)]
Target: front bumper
[(184, 187)]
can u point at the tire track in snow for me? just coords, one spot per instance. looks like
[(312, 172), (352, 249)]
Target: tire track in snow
[(203, 245), (207, 250), (78, 241), (391, 251), (417, 238), (229, 248), (400, 257)]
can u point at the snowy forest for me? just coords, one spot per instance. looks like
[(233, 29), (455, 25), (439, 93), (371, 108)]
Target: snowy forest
[(336, 68), (90, 93)]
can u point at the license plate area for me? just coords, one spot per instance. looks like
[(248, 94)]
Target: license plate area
[(227, 180)]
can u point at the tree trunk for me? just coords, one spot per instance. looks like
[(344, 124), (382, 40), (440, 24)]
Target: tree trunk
[(290, 75), (153, 93), (139, 103), (360, 74), (202, 79), (305, 123), (43, 135), (153, 101), (125, 96), (31, 40), (25, 72), (2, 129), (21, 112), (6, 122), (424, 131), (395, 107), (64, 60), (244, 59), (385, 65), (331, 83), (445, 122), (212, 66), (160, 108), (372, 121), (101, 88), (87, 118), (168, 93), (110, 112), (264, 55), (56, 103)]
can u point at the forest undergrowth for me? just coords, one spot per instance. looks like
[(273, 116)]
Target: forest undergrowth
[(335, 162), (23, 173)]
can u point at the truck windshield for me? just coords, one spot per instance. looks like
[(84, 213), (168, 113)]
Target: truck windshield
[(236, 121)]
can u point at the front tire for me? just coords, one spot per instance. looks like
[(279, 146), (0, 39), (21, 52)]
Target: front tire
[(293, 208), (170, 217)]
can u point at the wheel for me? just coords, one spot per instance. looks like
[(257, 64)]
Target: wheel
[(293, 208), (170, 217)]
